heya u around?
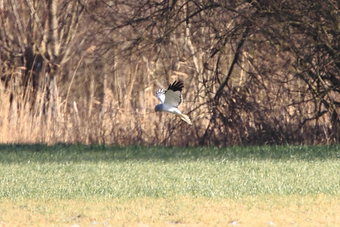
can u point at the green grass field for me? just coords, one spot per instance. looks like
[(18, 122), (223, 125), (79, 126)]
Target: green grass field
[(67, 185)]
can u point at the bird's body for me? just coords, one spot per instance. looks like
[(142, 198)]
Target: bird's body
[(171, 99)]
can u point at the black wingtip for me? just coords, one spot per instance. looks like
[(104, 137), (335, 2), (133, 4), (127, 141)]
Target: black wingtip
[(176, 86)]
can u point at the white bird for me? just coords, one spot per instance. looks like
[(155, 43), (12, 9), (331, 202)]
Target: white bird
[(171, 99)]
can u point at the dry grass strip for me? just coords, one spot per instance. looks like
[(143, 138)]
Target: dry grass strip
[(312, 210)]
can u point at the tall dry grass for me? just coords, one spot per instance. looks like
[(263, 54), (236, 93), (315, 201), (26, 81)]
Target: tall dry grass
[(120, 110), (122, 114)]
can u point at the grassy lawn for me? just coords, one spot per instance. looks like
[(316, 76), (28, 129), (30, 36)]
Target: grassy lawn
[(80, 185)]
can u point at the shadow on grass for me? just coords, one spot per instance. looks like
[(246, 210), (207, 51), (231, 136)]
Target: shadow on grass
[(63, 153)]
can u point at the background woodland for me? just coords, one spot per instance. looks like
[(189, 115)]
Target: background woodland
[(86, 71)]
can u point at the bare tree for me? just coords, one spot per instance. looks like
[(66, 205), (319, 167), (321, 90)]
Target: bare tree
[(41, 46)]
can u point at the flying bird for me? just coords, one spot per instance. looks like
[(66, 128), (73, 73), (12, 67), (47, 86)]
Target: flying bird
[(171, 99)]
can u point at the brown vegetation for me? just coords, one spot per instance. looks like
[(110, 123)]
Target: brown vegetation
[(311, 210), (255, 72)]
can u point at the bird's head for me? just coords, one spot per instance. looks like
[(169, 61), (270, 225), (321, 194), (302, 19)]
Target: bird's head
[(159, 107)]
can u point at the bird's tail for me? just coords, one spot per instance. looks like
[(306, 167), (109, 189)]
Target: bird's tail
[(185, 118)]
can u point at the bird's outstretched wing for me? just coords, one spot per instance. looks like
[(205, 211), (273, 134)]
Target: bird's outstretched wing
[(160, 94), (173, 96)]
